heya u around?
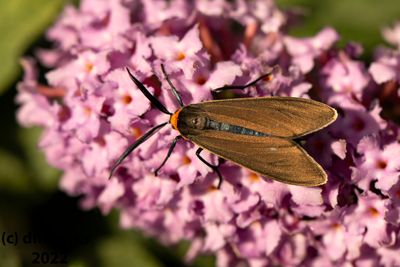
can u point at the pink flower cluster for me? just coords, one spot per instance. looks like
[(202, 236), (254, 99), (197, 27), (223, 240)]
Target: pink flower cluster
[(90, 111)]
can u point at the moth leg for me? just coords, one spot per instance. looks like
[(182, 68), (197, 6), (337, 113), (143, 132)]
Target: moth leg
[(171, 148), (268, 76), (213, 167)]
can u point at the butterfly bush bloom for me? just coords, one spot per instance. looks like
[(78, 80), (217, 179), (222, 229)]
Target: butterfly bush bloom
[(90, 111)]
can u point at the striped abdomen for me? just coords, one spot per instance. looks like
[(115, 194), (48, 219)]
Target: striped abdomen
[(226, 127)]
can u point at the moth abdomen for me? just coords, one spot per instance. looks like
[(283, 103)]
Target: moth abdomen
[(226, 127), (191, 120)]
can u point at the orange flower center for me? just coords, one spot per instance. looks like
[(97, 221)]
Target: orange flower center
[(89, 67), (200, 80), (268, 78), (136, 132), (373, 211), (381, 164), (186, 160), (87, 111), (336, 226), (127, 99), (212, 189), (100, 141), (254, 177), (180, 56)]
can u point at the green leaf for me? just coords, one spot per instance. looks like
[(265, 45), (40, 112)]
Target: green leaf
[(13, 173), (356, 20), (125, 250), (200, 261), (21, 22), (46, 177), (9, 257), (77, 263)]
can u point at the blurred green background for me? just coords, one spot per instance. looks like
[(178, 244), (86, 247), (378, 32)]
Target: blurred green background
[(30, 201)]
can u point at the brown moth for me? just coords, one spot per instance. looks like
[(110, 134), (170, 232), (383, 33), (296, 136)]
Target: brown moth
[(256, 133)]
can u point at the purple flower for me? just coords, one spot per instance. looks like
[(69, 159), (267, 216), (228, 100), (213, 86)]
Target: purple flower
[(85, 118), (110, 20), (90, 111), (305, 51), (100, 152), (175, 9), (35, 108), (127, 103), (392, 35), (334, 235), (389, 255), (356, 121), (377, 163), (112, 192), (181, 54), (369, 218), (386, 66), (259, 12), (344, 75)]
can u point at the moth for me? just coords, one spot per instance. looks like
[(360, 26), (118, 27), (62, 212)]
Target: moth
[(257, 133)]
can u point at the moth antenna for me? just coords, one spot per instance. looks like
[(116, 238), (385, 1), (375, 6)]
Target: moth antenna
[(174, 91), (132, 147), (267, 76), (148, 95)]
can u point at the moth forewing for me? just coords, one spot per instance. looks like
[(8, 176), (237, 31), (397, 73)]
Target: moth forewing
[(273, 157)]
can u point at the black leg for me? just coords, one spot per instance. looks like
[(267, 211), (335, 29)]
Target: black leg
[(171, 148), (213, 167)]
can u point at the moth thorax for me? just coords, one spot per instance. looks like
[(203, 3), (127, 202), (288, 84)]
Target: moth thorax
[(191, 119), (198, 122)]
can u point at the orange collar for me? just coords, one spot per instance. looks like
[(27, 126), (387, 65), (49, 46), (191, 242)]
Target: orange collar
[(174, 119)]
